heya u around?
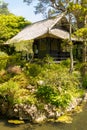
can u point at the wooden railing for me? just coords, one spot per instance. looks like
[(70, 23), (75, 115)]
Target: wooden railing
[(56, 55)]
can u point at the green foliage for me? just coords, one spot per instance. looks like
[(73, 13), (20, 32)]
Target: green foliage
[(24, 46), (7, 49), (13, 94), (77, 8), (81, 33), (61, 100), (33, 69), (8, 90), (45, 93), (4, 8), (48, 60), (49, 95), (84, 81), (15, 59), (21, 79), (3, 60), (66, 63), (54, 83), (24, 96), (41, 82), (10, 25), (4, 76)]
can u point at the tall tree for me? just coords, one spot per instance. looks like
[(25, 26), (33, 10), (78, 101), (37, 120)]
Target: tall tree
[(10, 25), (76, 10), (57, 6), (4, 8)]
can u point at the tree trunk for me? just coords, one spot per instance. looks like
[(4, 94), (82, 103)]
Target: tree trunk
[(71, 59), (84, 52), (84, 59), (84, 56), (71, 45)]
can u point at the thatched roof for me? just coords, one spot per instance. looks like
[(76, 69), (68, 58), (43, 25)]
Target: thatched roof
[(40, 29), (59, 33)]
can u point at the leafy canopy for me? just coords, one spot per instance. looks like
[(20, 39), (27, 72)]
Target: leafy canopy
[(81, 33), (10, 25), (4, 8), (77, 8)]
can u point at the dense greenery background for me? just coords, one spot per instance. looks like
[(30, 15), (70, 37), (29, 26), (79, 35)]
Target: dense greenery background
[(41, 81)]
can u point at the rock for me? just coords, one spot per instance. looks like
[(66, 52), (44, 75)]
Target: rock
[(40, 82), (4, 107), (75, 102), (40, 119), (79, 100), (85, 97), (14, 69), (58, 114), (31, 88), (51, 114), (15, 110)]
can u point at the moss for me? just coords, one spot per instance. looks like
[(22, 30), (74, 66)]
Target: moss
[(78, 109), (16, 122), (64, 119)]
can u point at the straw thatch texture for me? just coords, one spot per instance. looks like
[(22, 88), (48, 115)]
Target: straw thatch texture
[(60, 34), (38, 29)]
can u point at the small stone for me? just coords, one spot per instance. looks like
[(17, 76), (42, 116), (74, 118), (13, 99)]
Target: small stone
[(15, 110), (40, 119)]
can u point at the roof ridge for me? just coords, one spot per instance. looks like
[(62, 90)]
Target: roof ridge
[(58, 16)]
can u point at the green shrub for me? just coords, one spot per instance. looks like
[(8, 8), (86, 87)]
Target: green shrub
[(45, 92), (16, 60), (13, 94), (4, 76), (66, 63), (33, 69), (48, 94), (24, 96), (84, 81), (3, 60), (61, 100), (8, 90), (48, 59), (59, 86), (21, 79)]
